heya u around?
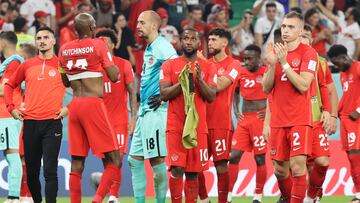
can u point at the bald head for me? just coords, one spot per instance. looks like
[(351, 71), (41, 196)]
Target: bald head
[(152, 16), (148, 24), (85, 25)]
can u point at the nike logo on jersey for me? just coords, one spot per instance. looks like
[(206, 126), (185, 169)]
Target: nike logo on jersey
[(204, 164), (220, 153), (297, 148), (261, 148)]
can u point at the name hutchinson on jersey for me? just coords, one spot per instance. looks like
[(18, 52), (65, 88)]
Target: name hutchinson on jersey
[(78, 51)]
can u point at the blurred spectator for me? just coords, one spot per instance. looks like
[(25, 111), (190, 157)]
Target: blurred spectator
[(349, 34), (307, 4), (296, 9), (217, 18), (66, 10), (194, 20), (259, 8), (6, 22), (244, 36), (67, 33), (125, 39), (136, 7), (265, 26), (28, 51), (104, 13), (28, 9), (21, 28), (320, 34), (40, 21), (4, 5), (169, 32)]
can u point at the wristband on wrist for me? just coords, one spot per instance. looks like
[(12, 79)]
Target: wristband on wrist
[(285, 66), (358, 109)]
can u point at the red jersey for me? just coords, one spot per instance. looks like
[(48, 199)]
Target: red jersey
[(320, 84), (289, 106), (115, 94), (44, 88), (219, 111), (350, 81), (17, 97), (170, 72), (250, 84), (319, 46), (84, 55)]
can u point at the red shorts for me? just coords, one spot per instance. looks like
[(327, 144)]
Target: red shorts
[(89, 127), (248, 135), (21, 142), (320, 144), (219, 144), (287, 142), (349, 133), (121, 132), (193, 160)]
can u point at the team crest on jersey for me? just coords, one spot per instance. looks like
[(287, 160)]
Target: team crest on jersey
[(259, 79), (174, 157), (52, 73), (273, 151), (350, 77), (295, 62), (221, 71), (151, 60)]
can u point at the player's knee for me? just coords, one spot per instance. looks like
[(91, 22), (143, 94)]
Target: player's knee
[(281, 172), (322, 161), (221, 166), (235, 156), (260, 159), (77, 165), (177, 171), (113, 157), (156, 160), (191, 176), (298, 168)]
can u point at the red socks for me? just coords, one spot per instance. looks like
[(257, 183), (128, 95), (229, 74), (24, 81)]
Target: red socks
[(285, 187), (355, 170), (75, 187), (261, 175), (176, 188), (114, 190), (110, 175), (202, 186), (24, 190), (191, 190), (316, 179), (298, 189), (223, 187), (233, 170)]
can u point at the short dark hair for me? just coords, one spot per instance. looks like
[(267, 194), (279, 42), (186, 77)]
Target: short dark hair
[(9, 36), (296, 9), (336, 50), (270, 4), (45, 28), (11, 9), (108, 33), (194, 8), (222, 33), (294, 14), (307, 27), (355, 13), (19, 23), (190, 29), (253, 47)]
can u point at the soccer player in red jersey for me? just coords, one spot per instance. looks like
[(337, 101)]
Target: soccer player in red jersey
[(219, 112), (116, 100), (42, 128), (83, 60), (349, 110), (318, 162), (194, 160), (288, 78), (247, 136)]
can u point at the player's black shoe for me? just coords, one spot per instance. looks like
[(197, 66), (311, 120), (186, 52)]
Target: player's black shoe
[(355, 200), (281, 200)]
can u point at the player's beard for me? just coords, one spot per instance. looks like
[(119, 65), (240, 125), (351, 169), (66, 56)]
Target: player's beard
[(215, 52), (44, 51), (190, 53)]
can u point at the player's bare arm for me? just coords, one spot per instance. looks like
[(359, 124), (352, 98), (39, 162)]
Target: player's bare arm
[(112, 72), (64, 78), (334, 101), (133, 106), (269, 76), (300, 81), (207, 92), (222, 83), (168, 91)]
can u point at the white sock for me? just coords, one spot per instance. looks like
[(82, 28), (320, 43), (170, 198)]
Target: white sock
[(229, 197), (257, 197), (205, 200), (308, 199), (357, 195)]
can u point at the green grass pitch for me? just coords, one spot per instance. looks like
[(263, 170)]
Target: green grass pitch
[(334, 199)]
